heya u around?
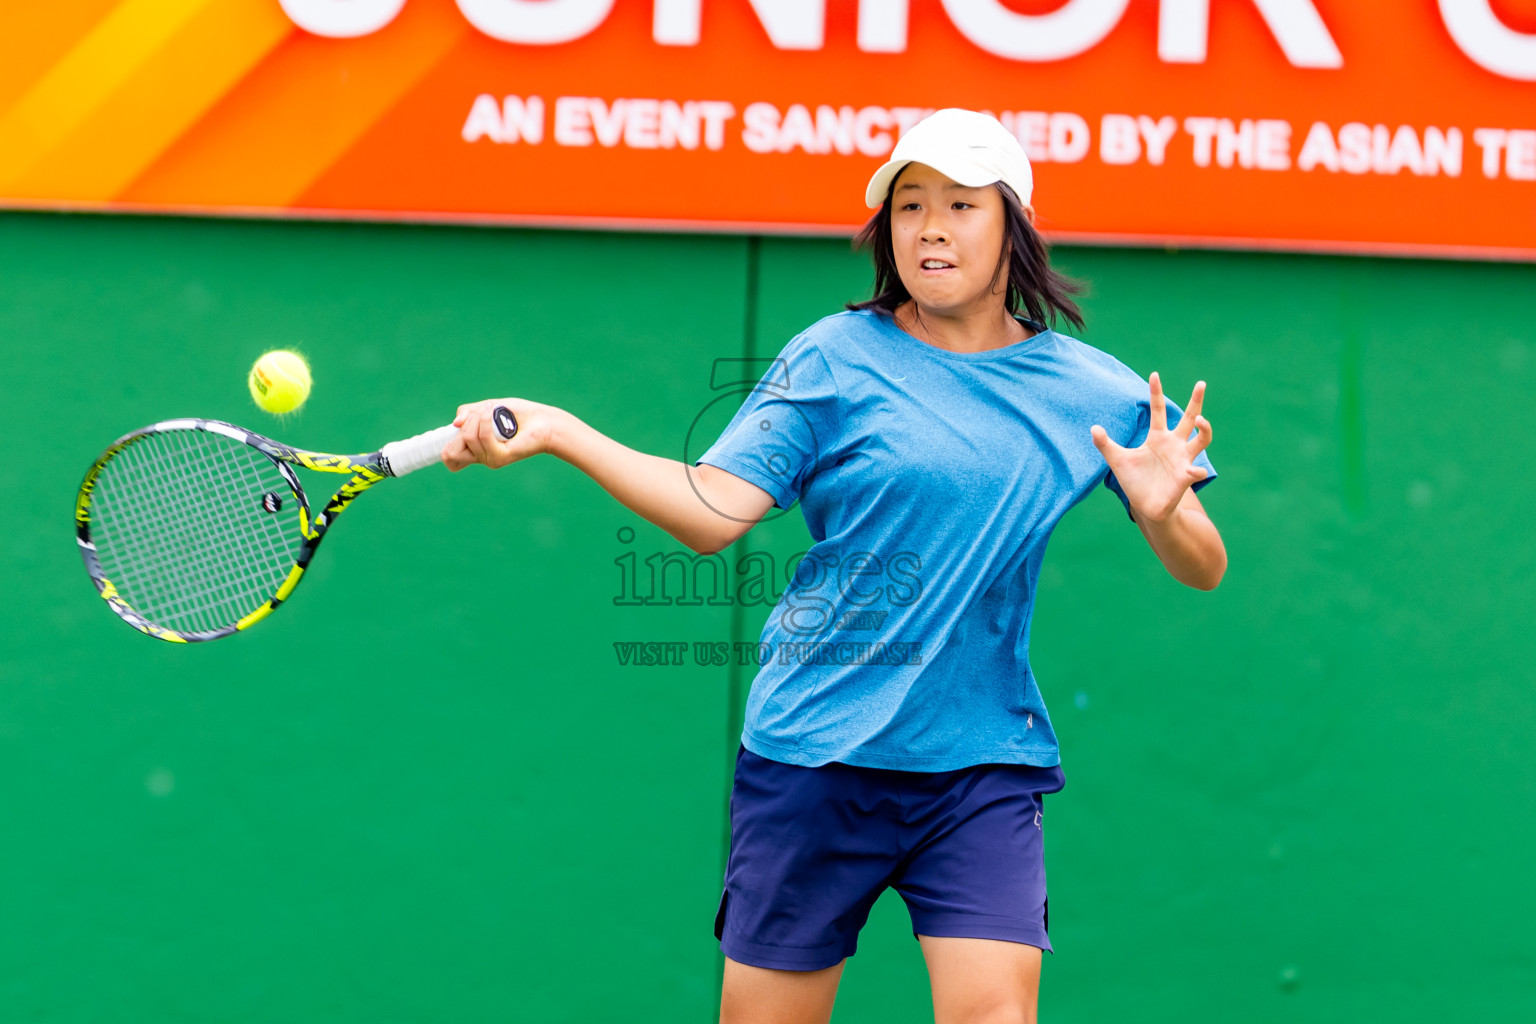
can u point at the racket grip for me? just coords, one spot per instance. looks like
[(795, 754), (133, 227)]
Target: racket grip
[(419, 452)]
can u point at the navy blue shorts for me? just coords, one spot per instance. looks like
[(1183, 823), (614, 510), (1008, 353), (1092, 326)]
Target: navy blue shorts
[(812, 848)]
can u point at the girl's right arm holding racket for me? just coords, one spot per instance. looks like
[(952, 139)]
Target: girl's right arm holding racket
[(703, 506)]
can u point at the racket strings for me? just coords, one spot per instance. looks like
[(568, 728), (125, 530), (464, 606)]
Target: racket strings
[(163, 579), (180, 528), (204, 568), (220, 590)]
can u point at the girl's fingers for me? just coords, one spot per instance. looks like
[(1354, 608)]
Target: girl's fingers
[(1104, 443), (1159, 404), (1197, 398), (455, 456), (1191, 412), (469, 433), (1202, 439), (491, 440)]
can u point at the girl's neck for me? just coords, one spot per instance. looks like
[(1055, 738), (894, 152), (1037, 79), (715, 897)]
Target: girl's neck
[(975, 331)]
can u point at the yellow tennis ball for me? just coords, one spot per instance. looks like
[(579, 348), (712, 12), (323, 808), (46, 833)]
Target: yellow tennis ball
[(279, 381)]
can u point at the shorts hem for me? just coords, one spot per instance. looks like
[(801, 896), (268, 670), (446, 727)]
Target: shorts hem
[(781, 958), (977, 926)]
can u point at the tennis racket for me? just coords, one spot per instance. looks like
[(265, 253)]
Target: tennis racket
[(196, 529)]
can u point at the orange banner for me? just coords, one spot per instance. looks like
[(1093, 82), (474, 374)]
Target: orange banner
[(1297, 124)]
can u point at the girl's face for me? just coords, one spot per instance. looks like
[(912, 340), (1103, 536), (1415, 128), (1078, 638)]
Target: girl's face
[(946, 239)]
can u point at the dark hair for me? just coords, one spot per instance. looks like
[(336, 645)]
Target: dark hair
[(1033, 285)]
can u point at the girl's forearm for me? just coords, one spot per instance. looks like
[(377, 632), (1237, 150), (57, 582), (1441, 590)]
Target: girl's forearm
[(690, 503), (1188, 545)]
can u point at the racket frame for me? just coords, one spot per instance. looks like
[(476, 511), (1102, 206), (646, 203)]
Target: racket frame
[(366, 469)]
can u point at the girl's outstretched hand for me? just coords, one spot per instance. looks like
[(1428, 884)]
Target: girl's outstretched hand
[(1155, 476), (479, 441)]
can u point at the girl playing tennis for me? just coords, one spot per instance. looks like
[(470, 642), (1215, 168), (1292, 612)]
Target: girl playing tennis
[(934, 436)]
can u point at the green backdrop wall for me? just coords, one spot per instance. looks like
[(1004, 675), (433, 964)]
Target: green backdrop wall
[(429, 790)]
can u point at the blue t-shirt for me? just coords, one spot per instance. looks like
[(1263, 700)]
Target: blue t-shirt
[(930, 481)]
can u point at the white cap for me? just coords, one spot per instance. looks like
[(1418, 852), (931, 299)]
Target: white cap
[(971, 148)]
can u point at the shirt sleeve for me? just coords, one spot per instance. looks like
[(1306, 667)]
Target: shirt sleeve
[(1143, 426), (777, 436)]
